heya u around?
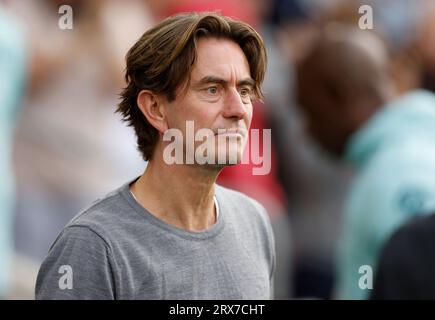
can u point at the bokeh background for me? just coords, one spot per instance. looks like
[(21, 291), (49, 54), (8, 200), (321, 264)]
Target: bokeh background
[(62, 146)]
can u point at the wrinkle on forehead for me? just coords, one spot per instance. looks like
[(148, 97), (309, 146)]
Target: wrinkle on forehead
[(222, 58)]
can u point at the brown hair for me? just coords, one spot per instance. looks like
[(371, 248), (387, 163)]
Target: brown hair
[(162, 59)]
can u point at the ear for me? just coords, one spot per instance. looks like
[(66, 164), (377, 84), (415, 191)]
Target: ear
[(152, 107)]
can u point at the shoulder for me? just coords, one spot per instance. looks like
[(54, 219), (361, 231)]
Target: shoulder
[(86, 262), (242, 203), (245, 214), (250, 220), (399, 179), (100, 219), (404, 159)]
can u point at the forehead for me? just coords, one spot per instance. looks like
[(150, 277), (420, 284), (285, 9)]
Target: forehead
[(220, 57)]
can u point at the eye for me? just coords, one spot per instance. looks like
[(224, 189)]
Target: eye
[(212, 90), (246, 94)]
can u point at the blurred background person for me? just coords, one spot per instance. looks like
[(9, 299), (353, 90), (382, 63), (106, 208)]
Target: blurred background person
[(12, 82), (315, 186), (354, 111)]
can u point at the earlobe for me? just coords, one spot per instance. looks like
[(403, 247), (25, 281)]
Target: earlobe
[(151, 107)]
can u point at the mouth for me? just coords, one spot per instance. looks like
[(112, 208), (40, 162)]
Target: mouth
[(230, 132)]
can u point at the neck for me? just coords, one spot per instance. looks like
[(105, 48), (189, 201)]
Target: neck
[(180, 195)]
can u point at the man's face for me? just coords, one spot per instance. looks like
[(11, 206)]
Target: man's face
[(217, 97)]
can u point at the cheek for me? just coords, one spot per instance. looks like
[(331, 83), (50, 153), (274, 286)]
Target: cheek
[(203, 118), (248, 117)]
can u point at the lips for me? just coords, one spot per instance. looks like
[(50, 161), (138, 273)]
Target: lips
[(230, 131)]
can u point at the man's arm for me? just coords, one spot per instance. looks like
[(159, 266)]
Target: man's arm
[(77, 267)]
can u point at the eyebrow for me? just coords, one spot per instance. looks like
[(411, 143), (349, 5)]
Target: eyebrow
[(212, 79)]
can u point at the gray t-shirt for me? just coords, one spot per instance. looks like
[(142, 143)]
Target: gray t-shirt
[(116, 249)]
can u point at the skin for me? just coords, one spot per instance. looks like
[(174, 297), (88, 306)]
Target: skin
[(217, 96), (342, 83)]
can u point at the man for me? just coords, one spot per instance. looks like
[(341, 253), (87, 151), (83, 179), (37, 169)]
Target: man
[(173, 233), (348, 95)]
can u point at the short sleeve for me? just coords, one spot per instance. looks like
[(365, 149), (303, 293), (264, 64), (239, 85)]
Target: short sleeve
[(77, 267)]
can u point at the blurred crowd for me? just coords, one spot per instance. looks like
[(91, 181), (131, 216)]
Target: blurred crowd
[(62, 146)]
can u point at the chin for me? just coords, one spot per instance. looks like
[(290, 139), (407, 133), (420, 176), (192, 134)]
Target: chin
[(228, 159), (229, 154)]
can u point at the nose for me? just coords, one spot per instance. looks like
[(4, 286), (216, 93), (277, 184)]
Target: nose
[(233, 105)]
